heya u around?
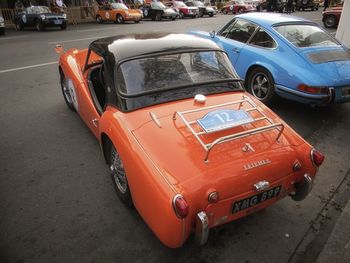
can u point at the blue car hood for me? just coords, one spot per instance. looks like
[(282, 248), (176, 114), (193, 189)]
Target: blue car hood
[(333, 65)]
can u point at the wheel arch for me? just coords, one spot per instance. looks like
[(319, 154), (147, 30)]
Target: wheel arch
[(105, 142), (254, 66)]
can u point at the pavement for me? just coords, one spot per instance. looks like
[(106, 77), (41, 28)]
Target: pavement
[(337, 248)]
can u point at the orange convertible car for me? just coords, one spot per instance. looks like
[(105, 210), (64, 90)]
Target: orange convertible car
[(185, 144), (118, 13)]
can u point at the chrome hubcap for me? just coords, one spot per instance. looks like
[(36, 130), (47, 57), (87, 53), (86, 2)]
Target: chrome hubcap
[(117, 170), (260, 86)]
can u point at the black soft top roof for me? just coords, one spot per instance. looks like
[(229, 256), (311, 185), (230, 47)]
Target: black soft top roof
[(122, 47)]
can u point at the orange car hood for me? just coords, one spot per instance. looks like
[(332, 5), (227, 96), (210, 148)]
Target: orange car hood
[(180, 157)]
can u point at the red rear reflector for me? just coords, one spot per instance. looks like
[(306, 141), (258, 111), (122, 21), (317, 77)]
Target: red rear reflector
[(313, 90), (317, 157), (180, 206)]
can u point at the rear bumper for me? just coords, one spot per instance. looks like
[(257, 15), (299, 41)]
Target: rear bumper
[(207, 219), (335, 95)]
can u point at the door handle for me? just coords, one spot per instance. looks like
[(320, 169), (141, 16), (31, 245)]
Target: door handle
[(235, 50), (95, 122)]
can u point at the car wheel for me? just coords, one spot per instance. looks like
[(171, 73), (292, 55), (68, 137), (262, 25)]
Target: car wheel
[(240, 11), (119, 178), (120, 19), (329, 21), (137, 21), (18, 26), (39, 26), (158, 16), (64, 27), (260, 83), (99, 19), (211, 15), (66, 93)]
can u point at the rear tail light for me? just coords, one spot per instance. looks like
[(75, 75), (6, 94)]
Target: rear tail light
[(180, 206), (317, 157), (313, 90)]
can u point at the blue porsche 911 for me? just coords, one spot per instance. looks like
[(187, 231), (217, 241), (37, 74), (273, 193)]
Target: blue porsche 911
[(288, 56)]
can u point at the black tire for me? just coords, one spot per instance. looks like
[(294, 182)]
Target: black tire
[(99, 19), (158, 17), (19, 25), (119, 177), (137, 21), (224, 11), (120, 19), (2, 32), (330, 21), (211, 15), (39, 26), (260, 83), (240, 11), (173, 18), (64, 27), (65, 91)]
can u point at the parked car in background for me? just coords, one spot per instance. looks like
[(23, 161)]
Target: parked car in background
[(238, 6), (286, 56), (331, 16), (184, 10), (2, 26), (184, 143), (307, 4), (158, 11), (267, 5), (117, 13), (203, 9), (39, 17)]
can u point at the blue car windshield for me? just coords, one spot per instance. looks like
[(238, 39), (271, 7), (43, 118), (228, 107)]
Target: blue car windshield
[(172, 71), (305, 35)]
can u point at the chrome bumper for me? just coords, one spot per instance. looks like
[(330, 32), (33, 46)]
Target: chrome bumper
[(202, 228), (302, 189)]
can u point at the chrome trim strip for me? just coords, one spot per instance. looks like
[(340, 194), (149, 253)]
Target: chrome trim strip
[(154, 118), (202, 228)]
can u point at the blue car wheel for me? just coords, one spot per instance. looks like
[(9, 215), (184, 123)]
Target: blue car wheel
[(260, 83)]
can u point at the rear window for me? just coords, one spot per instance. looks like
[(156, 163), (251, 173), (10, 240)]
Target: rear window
[(148, 74), (305, 35)]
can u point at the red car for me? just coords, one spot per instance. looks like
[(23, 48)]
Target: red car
[(184, 10), (237, 7), (331, 16)]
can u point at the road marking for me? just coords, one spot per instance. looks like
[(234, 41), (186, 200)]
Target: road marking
[(15, 37), (27, 67), (74, 40)]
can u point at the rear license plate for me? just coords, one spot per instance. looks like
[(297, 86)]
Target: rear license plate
[(255, 199), (345, 92), (58, 22)]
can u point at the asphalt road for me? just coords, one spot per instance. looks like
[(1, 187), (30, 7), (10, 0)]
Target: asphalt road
[(57, 199)]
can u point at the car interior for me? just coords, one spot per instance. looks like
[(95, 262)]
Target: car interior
[(96, 86)]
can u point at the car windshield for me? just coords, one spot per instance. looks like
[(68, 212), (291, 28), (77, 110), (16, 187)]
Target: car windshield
[(119, 6), (175, 71), (305, 35), (38, 10), (158, 5), (198, 3)]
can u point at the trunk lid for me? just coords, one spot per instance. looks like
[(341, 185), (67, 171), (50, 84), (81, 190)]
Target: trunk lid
[(180, 156)]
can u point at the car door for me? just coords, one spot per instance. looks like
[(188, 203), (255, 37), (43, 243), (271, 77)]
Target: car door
[(234, 36)]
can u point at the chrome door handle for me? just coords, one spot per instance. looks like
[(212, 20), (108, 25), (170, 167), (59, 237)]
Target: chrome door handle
[(95, 122)]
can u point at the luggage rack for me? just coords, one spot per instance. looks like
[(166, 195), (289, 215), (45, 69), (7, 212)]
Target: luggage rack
[(209, 146)]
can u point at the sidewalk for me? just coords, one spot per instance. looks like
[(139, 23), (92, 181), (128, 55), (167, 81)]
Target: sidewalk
[(337, 248)]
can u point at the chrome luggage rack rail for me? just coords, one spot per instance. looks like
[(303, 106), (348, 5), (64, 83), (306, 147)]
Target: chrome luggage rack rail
[(209, 146)]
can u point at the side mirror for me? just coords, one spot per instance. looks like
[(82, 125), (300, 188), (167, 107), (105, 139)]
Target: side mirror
[(212, 34), (59, 49)]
